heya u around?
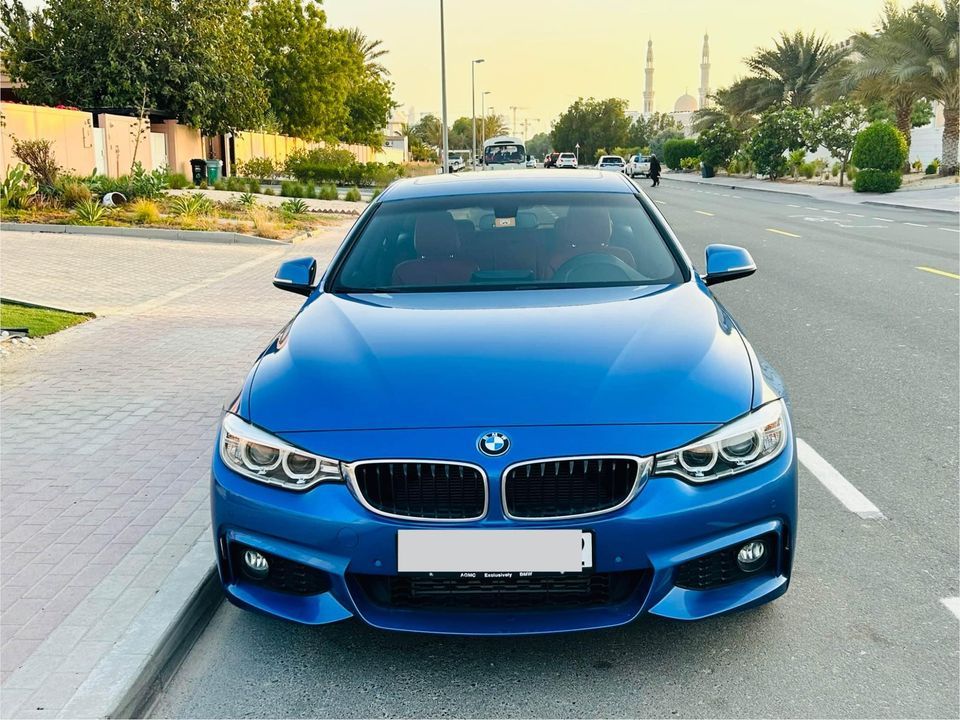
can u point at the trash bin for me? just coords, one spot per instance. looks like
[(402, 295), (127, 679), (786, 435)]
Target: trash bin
[(707, 171), (213, 171), (198, 169)]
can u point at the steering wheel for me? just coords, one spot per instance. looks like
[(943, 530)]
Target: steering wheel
[(595, 267)]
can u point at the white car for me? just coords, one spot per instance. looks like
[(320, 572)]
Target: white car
[(455, 163), (638, 165), (611, 162), (531, 161), (567, 160)]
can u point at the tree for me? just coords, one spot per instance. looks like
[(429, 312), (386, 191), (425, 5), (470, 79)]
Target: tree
[(879, 153), (786, 74), (659, 140), (675, 150), (429, 130), (835, 127), (778, 130), (643, 129), (305, 68), (539, 145), (718, 144), (369, 102), (592, 123), (192, 59)]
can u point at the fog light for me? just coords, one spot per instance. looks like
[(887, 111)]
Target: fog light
[(752, 556), (256, 564)]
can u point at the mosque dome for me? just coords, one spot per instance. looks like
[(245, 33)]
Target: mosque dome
[(685, 103)]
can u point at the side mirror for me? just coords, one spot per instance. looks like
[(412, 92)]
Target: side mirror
[(296, 276), (727, 262)]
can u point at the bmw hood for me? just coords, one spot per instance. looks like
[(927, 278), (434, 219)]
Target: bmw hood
[(500, 359)]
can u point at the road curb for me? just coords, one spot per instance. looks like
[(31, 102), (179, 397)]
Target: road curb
[(211, 236), (781, 191), (125, 681), (877, 203)]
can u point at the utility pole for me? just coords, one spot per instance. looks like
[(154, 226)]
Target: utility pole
[(473, 108), (513, 128), (526, 126), (483, 121), (443, 93)]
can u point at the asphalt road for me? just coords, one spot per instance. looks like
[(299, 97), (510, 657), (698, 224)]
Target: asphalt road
[(868, 346)]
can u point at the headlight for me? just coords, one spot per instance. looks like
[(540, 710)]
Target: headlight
[(260, 456), (742, 445)]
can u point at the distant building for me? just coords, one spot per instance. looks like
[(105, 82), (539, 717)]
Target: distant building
[(686, 104)]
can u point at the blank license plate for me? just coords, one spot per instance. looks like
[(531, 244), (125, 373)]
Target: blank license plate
[(489, 551)]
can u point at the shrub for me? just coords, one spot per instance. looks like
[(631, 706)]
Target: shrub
[(178, 181), (795, 160), (146, 184), (933, 168), (253, 185), (309, 191), (352, 195), (38, 156), (851, 172), (288, 188), (247, 200), (269, 191), (874, 180), (264, 223), (807, 170), (734, 167), (17, 188), (835, 169), (376, 193), (294, 206), (880, 146), (73, 192), (261, 167), (917, 166), (718, 144), (145, 211), (194, 205), (220, 184), (89, 212), (689, 163), (677, 149), (328, 192)]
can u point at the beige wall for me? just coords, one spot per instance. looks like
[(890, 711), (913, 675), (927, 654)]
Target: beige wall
[(183, 144), (249, 145), (120, 138), (69, 131)]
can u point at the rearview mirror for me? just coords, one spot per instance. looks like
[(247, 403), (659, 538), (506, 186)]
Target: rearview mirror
[(727, 262), (296, 276)]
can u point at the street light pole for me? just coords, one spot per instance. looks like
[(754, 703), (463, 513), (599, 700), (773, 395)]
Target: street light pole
[(473, 107), (443, 92), (513, 128), (483, 118)]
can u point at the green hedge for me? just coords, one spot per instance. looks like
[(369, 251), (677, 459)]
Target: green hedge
[(873, 180), (880, 146), (675, 150), (329, 165)]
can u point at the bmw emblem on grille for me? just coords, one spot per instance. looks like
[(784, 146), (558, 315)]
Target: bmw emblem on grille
[(493, 444)]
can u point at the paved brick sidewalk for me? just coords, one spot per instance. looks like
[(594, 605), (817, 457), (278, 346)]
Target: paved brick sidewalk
[(106, 438)]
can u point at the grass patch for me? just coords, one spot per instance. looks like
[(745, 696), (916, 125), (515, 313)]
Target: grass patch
[(39, 321)]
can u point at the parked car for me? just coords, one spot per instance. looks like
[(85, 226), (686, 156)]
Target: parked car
[(455, 163), (531, 161), (637, 165), (566, 160), (373, 466), (550, 160), (611, 162)]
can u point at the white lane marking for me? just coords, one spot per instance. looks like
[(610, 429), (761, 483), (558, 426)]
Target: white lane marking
[(841, 488), (659, 202), (914, 224), (805, 207), (832, 212), (736, 197), (953, 605), (950, 230), (789, 205), (854, 215), (882, 219)]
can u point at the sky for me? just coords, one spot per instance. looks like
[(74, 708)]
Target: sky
[(541, 55)]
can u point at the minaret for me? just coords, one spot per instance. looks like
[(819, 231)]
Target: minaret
[(648, 90), (705, 72)]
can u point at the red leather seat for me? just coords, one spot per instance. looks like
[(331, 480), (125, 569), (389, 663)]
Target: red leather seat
[(584, 230), (437, 243)]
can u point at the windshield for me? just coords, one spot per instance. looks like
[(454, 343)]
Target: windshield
[(508, 242), (609, 160), (498, 154)]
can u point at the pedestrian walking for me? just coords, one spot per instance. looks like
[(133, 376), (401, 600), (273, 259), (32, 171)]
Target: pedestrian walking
[(654, 170)]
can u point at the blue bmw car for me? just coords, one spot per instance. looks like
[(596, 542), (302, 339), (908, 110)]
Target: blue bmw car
[(510, 405)]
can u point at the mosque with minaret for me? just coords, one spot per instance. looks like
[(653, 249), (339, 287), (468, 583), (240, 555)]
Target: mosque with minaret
[(686, 104)]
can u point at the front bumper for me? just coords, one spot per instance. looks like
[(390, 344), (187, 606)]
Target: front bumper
[(668, 524)]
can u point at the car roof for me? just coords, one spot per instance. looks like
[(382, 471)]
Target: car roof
[(507, 181)]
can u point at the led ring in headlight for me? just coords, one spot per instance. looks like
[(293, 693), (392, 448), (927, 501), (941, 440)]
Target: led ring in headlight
[(260, 456), (742, 445)]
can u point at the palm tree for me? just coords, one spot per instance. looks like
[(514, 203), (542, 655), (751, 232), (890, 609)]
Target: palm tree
[(370, 49), (785, 74)]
